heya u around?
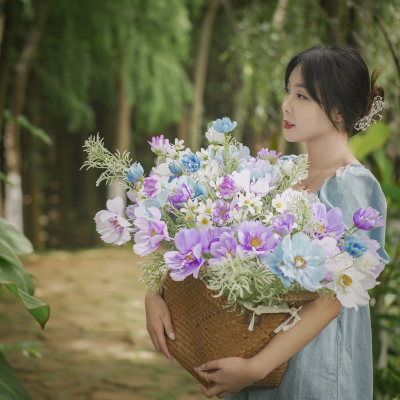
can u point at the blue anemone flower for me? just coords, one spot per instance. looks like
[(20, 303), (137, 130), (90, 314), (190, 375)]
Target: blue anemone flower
[(191, 162), (224, 125), (274, 261), (175, 168), (355, 247)]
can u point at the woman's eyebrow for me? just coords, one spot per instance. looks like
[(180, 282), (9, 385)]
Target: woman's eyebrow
[(302, 85)]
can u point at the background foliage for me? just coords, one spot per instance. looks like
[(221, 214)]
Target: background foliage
[(130, 69)]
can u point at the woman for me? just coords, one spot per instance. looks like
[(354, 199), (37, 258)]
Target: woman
[(328, 91)]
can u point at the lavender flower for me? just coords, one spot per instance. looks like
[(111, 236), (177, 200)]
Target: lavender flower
[(111, 225), (226, 245), (228, 188), (181, 195), (191, 162), (134, 172), (152, 185), (187, 260), (255, 238), (221, 212), (355, 247), (159, 145), (367, 219), (214, 235), (327, 222), (283, 223), (224, 125), (151, 233)]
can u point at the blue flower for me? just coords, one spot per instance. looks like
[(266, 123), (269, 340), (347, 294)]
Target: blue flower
[(273, 262), (299, 260), (191, 162), (197, 188), (224, 125), (172, 177), (134, 172), (175, 168), (355, 247)]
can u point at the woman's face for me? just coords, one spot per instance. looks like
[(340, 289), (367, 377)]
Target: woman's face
[(299, 109)]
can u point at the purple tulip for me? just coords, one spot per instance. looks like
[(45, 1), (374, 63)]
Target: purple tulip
[(257, 239), (283, 223), (228, 188), (221, 212), (187, 260), (151, 233), (152, 185), (367, 219)]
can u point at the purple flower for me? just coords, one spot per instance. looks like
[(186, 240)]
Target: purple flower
[(283, 223), (152, 185), (181, 195), (130, 211), (329, 222), (111, 225), (367, 219), (151, 232), (255, 238), (228, 187), (187, 260), (226, 244), (213, 235), (221, 212), (269, 155), (159, 145)]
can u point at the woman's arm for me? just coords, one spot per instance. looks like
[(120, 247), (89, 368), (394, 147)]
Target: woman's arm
[(315, 316)]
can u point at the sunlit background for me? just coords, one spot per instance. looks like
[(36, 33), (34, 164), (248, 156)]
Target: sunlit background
[(130, 70)]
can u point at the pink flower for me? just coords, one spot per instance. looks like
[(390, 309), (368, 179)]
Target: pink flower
[(152, 185), (111, 225), (159, 145)]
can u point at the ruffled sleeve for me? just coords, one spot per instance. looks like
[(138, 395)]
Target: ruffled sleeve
[(350, 188)]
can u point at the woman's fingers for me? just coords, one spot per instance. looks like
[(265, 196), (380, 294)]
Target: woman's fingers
[(212, 376), (162, 342), (166, 319), (216, 390)]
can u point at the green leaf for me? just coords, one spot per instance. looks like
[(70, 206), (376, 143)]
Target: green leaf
[(39, 310), (14, 270), (3, 177), (16, 240), (23, 122), (11, 388), (384, 165), (374, 138), (392, 191)]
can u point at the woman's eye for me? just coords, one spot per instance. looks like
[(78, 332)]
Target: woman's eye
[(302, 97)]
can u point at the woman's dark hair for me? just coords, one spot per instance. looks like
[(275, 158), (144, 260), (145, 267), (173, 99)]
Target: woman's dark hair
[(337, 76)]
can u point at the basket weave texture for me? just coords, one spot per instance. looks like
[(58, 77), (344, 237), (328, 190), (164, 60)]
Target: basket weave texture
[(206, 331)]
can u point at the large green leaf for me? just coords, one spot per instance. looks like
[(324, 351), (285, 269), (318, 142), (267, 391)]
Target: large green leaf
[(3, 177), (11, 388), (384, 165), (39, 310), (374, 138), (16, 240), (14, 270), (392, 191)]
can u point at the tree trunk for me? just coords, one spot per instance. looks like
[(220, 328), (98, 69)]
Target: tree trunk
[(200, 72), (123, 133), (13, 205), (332, 33)]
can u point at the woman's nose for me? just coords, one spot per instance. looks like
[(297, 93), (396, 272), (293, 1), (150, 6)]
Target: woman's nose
[(286, 106)]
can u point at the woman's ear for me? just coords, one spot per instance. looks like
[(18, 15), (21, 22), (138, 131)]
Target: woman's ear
[(338, 116)]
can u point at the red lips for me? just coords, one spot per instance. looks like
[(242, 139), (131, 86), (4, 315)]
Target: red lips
[(287, 124)]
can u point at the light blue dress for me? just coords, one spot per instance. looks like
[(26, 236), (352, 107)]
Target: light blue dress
[(337, 364)]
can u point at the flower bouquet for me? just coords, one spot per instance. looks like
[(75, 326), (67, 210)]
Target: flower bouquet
[(240, 238)]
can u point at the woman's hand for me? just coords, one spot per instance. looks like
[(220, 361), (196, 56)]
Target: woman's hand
[(232, 375), (158, 318)]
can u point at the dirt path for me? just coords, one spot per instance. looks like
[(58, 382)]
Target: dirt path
[(95, 345)]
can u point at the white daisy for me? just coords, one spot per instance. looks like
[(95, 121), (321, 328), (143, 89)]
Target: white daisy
[(250, 201), (214, 136), (190, 206), (205, 208), (179, 144), (239, 215), (141, 196), (267, 217), (215, 184), (204, 155), (204, 221)]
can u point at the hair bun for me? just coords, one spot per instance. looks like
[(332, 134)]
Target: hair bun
[(375, 90)]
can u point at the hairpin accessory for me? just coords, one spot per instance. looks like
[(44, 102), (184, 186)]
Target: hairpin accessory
[(365, 122)]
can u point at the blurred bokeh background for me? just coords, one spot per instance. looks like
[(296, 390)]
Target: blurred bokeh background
[(130, 70)]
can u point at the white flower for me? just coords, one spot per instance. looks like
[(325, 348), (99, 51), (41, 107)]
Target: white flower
[(205, 208), (162, 170), (179, 144), (215, 185), (190, 206), (261, 187), (348, 286), (132, 196), (214, 137), (208, 171), (279, 204), (242, 179), (287, 167), (239, 215), (204, 221), (267, 217), (250, 201), (281, 201), (366, 264), (141, 196), (204, 155), (172, 154)]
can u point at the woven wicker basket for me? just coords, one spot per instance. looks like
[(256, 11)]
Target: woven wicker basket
[(205, 331)]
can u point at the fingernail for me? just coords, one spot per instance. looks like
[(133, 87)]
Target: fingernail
[(170, 360), (172, 335), (201, 367), (194, 369)]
